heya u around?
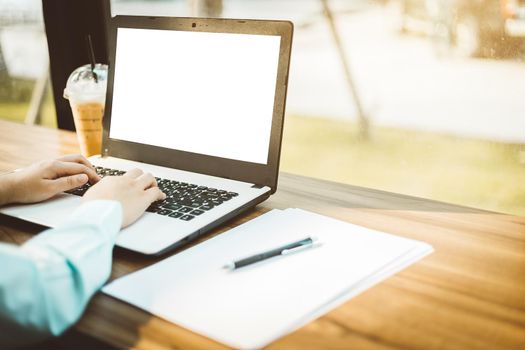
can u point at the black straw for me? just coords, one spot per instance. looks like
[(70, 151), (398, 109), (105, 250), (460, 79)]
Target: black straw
[(91, 53)]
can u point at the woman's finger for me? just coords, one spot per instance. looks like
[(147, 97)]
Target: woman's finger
[(76, 158), (67, 183), (155, 194), (60, 169), (133, 173), (146, 180)]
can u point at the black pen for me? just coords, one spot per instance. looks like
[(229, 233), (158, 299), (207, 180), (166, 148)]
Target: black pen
[(290, 248)]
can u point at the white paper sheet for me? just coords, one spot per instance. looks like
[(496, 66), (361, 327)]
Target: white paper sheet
[(255, 305)]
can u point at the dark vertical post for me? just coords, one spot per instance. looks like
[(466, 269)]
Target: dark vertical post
[(67, 23)]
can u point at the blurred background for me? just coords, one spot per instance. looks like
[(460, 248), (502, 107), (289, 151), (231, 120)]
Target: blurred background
[(419, 97)]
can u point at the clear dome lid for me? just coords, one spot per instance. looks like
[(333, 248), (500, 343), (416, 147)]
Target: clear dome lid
[(83, 85)]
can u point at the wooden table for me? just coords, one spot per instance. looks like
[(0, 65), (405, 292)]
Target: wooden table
[(469, 294)]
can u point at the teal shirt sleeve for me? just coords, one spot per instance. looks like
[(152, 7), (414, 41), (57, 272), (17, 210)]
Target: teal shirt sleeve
[(46, 283)]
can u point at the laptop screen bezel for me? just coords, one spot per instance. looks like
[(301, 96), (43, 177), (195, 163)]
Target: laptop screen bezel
[(259, 174)]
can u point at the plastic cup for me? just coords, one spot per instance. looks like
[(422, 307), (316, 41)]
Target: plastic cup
[(87, 97)]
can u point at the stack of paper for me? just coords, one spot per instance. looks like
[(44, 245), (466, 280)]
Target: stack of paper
[(250, 307)]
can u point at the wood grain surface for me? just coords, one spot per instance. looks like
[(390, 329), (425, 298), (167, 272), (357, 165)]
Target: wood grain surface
[(469, 294)]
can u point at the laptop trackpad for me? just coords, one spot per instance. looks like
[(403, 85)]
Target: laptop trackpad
[(49, 213)]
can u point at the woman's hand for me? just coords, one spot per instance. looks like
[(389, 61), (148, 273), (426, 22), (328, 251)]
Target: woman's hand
[(45, 179), (135, 190)]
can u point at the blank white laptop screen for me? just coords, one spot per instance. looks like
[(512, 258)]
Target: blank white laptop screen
[(206, 93)]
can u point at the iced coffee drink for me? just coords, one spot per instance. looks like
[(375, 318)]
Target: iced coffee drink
[(86, 93)]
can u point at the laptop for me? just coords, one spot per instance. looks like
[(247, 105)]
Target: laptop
[(199, 103)]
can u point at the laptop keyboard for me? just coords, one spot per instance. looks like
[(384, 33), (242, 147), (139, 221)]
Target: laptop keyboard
[(184, 201)]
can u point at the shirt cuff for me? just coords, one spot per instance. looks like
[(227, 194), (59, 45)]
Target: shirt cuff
[(105, 214)]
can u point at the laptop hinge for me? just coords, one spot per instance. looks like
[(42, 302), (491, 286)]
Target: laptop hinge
[(257, 186)]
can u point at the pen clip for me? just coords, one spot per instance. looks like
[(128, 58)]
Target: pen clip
[(300, 248)]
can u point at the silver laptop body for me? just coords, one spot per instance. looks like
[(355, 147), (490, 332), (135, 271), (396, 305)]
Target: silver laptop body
[(198, 103)]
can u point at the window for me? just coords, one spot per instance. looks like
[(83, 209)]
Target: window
[(25, 94), (419, 97), (432, 105)]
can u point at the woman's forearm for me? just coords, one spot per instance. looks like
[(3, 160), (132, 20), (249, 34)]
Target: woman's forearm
[(46, 283)]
